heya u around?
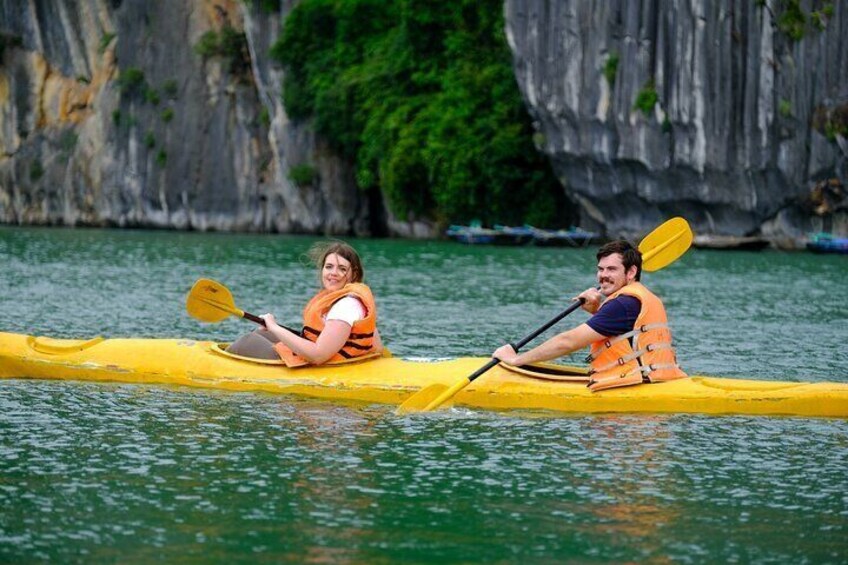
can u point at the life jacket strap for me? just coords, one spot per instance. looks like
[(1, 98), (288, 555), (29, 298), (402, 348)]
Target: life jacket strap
[(648, 369), (354, 345), (361, 336), (612, 341), (630, 357), (316, 333), (645, 370)]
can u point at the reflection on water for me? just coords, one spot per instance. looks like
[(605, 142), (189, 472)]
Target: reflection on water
[(164, 472), (111, 472)]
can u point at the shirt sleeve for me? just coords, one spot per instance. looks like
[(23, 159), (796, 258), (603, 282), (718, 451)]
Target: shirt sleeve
[(616, 316), (348, 309)]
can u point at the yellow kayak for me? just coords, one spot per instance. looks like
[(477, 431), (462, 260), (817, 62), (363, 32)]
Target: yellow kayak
[(390, 380)]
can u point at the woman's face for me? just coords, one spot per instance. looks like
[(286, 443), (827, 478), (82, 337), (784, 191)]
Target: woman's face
[(336, 272)]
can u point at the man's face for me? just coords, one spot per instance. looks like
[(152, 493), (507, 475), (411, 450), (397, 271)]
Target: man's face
[(611, 274)]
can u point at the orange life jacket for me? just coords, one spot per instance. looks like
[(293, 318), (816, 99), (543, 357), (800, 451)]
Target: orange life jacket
[(643, 355), (360, 342)]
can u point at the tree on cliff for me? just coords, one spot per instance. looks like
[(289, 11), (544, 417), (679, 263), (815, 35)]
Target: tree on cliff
[(422, 98)]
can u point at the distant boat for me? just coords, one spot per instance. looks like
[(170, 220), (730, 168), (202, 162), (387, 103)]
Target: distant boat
[(574, 237), (731, 242), (826, 243), (521, 235), (501, 235)]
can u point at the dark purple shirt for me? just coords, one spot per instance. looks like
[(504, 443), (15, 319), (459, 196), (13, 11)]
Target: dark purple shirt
[(616, 316)]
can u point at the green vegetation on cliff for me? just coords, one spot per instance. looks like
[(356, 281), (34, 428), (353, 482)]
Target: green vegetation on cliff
[(421, 97)]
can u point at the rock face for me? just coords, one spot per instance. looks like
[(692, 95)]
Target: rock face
[(729, 142), (109, 115)]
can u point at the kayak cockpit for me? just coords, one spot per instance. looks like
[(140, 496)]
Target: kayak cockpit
[(221, 349), (550, 372)]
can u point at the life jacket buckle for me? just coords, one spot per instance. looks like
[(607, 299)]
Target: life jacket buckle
[(621, 361), (608, 343), (650, 347), (643, 328)]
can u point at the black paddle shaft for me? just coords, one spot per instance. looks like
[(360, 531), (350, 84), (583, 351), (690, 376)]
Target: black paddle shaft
[(252, 318), (261, 322), (529, 338)]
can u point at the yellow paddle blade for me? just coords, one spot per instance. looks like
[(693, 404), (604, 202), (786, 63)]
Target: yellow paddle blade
[(421, 399), (665, 244), (210, 301), (429, 398)]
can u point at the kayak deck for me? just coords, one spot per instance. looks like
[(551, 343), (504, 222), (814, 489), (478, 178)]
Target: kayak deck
[(390, 380)]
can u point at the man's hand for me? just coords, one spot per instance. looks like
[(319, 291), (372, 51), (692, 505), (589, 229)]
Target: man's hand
[(507, 354), (592, 299)]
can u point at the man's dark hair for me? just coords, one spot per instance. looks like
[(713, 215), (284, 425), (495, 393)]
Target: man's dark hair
[(629, 255)]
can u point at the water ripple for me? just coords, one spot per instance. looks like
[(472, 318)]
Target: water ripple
[(134, 473)]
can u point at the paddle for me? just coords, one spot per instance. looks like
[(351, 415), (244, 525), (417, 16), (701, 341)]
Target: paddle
[(659, 249), (210, 301)]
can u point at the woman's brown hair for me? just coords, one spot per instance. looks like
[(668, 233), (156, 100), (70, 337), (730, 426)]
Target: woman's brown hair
[(319, 251)]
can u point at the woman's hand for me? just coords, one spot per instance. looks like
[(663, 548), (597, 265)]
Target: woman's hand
[(507, 354), (270, 321)]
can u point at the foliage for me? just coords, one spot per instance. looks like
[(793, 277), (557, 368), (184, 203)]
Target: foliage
[(161, 158), (646, 99), (267, 6), (302, 175), (170, 88), (229, 44), (270, 6), (207, 45), (116, 117), (68, 141), (105, 41), (149, 140), (831, 122), (819, 18), (421, 97), (792, 19), (611, 68), (785, 108), (36, 171), (167, 115), (151, 96), (131, 81)]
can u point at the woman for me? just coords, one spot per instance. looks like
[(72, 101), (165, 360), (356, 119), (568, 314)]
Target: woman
[(340, 322)]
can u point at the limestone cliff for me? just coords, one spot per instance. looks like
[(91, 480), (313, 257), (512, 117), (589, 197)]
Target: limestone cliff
[(169, 114), (111, 114), (649, 108)]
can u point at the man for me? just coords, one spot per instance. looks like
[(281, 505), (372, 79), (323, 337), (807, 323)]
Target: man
[(629, 335)]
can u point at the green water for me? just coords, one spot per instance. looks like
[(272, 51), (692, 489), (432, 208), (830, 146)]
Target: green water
[(123, 473)]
